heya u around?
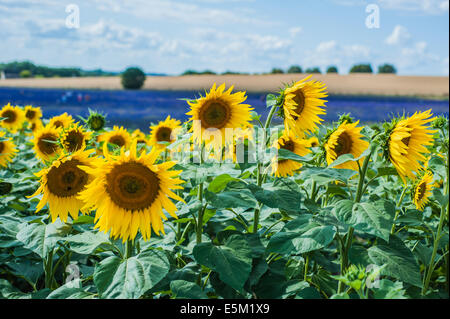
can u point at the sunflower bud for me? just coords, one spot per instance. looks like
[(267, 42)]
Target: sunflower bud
[(96, 121), (440, 122)]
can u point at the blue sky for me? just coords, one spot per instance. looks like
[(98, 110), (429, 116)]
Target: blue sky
[(170, 36)]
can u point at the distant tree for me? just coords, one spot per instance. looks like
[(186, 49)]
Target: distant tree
[(361, 68), (313, 70), (190, 72), (208, 72), (25, 74), (133, 78), (276, 71), (295, 69), (332, 69), (387, 68)]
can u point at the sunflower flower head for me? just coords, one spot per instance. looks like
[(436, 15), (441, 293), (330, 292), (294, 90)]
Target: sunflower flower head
[(164, 133), (406, 142), (139, 136), (46, 143), (129, 193), (74, 138), (422, 190), (217, 111), (118, 136), (13, 118), (7, 150), (62, 181), (346, 139), (61, 121), (32, 114), (286, 167), (302, 106)]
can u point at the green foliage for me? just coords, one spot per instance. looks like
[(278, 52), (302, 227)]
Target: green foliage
[(133, 78), (332, 69), (25, 74), (276, 71), (361, 68), (324, 232), (295, 69), (314, 70), (387, 68)]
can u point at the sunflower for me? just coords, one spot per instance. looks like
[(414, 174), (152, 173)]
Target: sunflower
[(46, 145), (314, 141), (284, 168), (32, 114), (7, 150), (302, 106), (35, 126), (64, 120), (13, 118), (235, 151), (139, 136), (118, 136), (346, 139), (129, 193), (62, 182), (74, 138), (164, 131), (408, 141), (422, 190), (218, 110)]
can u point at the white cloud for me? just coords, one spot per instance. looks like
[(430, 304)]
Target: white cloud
[(295, 31), (399, 35)]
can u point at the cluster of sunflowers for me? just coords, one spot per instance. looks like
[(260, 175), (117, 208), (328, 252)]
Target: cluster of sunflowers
[(125, 179)]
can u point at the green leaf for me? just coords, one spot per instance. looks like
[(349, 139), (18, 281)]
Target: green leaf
[(231, 199), (87, 242), (284, 154), (301, 236), (132, 277), (323, 176), (399, 260), (42, 238), (348, 158), (287, 200), (219, 183), (65, 292), (369, 218), (182, 289), (389, 290), (232, 261)]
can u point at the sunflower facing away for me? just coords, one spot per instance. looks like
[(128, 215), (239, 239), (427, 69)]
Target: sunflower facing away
[(74, 138), (303, 104), (422, 191), (164, 131), (62, 182), (32, 114), (118, 136), (7, 150), (13, 118), (284, 168), (218, 110), (129, 193), (346, 139), (46, 145), (408, 143), (61, 121)]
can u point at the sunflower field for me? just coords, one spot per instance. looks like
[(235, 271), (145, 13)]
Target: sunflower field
[(226, 205)]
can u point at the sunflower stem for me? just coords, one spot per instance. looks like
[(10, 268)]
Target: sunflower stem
[(437, 238), (201, 211), (259, 178), (349, 238), (129, 249), (397, 211)]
